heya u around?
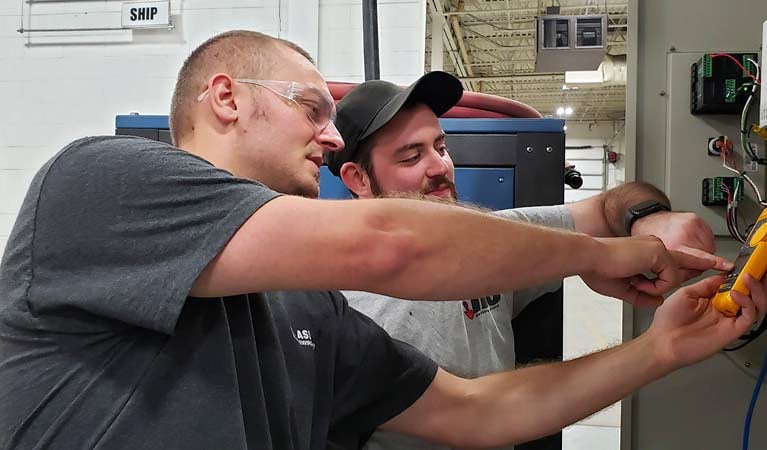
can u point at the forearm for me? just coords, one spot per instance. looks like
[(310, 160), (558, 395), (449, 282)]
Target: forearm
[(461, 252), (528, 403), (603, 215)]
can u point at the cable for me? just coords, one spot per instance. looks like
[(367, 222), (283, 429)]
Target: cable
[(749, 337), (755, 65), (743, 174), (752, 404), (745, 130), (756, 190), (735, 60)]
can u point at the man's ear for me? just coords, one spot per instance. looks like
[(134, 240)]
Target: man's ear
[(221, 98), (356, 179)]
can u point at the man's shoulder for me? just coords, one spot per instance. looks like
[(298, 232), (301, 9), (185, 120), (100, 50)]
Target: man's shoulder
[(97, 155), (114, 147)]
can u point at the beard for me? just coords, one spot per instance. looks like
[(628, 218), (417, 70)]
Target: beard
[(433, 184), (441, 182)]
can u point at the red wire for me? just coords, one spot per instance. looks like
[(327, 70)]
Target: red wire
[(716, 55)]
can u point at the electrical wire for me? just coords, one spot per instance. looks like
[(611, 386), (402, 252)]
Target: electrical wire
[(757, 68), (740, 174), (749, 337), (752, 404), (735, 60), (733, 194), (745, 130)]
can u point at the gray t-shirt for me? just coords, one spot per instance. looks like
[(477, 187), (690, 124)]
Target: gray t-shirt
[(468, 338), (101, 347)]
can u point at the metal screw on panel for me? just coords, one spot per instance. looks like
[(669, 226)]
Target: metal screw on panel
[(748, 364), (501, 180), (549, 149), (662, 93), (529, 149)]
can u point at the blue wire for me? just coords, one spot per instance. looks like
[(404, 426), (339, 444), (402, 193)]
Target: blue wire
[(754, 396)]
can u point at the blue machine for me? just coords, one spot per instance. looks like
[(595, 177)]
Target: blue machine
[(500, 163)]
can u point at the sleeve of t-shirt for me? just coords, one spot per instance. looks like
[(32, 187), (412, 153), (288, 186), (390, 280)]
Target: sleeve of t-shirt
[(123, 227), (376, 377), (557, 216)]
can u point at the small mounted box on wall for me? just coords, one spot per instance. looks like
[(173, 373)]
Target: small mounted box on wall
[(720, 82)]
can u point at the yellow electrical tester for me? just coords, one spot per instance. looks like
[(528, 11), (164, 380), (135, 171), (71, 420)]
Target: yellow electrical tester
[(752, 259)]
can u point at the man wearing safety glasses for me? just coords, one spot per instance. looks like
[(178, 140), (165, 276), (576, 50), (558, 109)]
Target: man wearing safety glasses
[(158, 296)]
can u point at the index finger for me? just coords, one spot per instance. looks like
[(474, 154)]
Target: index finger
[(698, 260)]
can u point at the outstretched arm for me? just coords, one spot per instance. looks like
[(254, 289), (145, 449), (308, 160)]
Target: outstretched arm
[(528, 403)]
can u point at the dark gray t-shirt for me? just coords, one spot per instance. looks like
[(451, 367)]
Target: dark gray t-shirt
[(100, 347)]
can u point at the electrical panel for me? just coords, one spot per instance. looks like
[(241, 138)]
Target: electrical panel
[(720, 83), (692, 153)]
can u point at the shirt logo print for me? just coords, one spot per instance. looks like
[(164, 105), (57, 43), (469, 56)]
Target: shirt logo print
[(478, 306), (303, 337)]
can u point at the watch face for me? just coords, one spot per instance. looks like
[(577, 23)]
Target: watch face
[(641, 210)]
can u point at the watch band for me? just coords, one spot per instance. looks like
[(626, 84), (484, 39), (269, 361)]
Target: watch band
[(642, 209)]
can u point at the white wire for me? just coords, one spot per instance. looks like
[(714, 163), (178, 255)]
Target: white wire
[(753, 186), (755, 65), (745, 177), (743, 138)]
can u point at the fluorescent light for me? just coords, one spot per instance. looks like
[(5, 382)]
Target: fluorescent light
[(584, 76), (560, 111), (568, 111)]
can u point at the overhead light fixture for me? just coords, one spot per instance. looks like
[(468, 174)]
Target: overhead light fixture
[(560, 111), (584, 76), (568, 111)]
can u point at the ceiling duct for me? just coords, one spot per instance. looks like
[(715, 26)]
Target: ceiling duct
[(577, 42)]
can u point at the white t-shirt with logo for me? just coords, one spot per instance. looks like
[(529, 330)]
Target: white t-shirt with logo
[(468, 338)]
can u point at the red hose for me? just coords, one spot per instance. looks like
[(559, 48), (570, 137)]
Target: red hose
[(471, 105)]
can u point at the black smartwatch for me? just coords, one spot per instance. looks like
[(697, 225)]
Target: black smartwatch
[(642, 209)]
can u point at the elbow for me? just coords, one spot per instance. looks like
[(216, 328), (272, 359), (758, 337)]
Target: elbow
[(389, 258), (385, 251)]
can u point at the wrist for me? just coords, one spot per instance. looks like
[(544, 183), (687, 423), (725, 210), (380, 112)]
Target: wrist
[(642, 210), (593, 254), (661, 355), (644, 225)]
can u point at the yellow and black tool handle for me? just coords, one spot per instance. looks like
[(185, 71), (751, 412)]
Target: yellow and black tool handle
[(752, 260)]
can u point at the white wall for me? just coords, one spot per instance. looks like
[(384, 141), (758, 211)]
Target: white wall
[(590, 162), (401, 40), (57, 87)]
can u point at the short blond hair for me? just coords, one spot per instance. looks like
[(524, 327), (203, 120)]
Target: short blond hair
[(239, 53)]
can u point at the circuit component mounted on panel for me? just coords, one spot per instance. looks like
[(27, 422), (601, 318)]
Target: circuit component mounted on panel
[(721, 82), (717, 190)]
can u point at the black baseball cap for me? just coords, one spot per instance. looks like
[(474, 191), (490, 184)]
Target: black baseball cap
[(371, 105)]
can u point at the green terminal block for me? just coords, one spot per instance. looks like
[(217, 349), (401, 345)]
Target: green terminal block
[(714, 193), (747, 65), (707, 66), (730, 91)]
